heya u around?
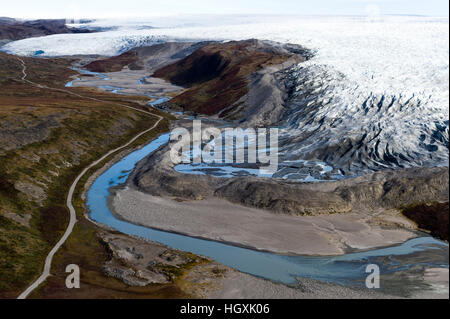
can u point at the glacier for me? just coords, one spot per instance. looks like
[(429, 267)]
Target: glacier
[(375, 95)]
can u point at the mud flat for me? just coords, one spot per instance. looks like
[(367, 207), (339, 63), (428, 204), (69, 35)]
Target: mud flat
[(132, 74), (128, 82), (220, 220)]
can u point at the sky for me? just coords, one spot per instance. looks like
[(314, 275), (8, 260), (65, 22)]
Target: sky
[(142, 8)]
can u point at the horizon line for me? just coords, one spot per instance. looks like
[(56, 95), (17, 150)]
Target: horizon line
[(214, 14)]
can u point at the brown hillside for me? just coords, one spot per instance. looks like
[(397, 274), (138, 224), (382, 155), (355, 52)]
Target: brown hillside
[(113, 64), (217, 74)]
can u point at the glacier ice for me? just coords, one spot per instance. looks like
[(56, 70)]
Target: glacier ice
[(375, 94)]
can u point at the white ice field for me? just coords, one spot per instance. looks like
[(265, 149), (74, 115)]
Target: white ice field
[(381, 83)]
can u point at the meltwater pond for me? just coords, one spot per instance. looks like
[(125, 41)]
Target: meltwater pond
[(348, 269), (286, 168)]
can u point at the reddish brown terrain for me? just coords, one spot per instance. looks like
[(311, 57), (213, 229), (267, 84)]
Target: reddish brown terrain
[(116, 63), (217, 75)]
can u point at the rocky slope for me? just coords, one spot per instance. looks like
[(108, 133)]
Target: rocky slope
[(385, 190), (218, 75)]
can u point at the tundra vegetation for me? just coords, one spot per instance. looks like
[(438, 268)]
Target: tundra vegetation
[(46, 138)]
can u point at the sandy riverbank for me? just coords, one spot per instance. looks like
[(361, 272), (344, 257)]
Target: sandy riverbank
[(219, 220)]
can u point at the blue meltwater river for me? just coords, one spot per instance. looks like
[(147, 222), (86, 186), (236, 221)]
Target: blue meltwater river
[(348, 269)]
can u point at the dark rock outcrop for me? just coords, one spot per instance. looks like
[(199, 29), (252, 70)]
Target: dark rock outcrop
[(430, 217), (12, 29), (385, 190), (283, 198)]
